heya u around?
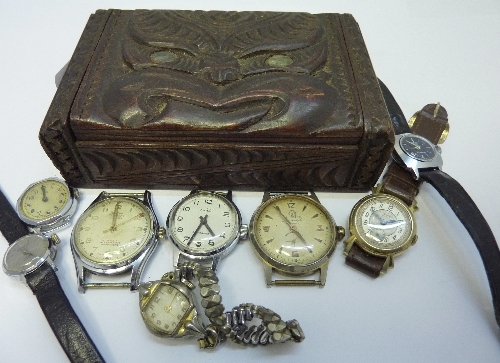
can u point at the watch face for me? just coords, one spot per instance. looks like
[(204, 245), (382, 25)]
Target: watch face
[(417, 147), (290, 231), (203, 223), (25, 255), (43, 200), (166, 309), (383, 224), (113, 231)]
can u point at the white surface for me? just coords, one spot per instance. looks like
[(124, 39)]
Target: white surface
[(434, 306)]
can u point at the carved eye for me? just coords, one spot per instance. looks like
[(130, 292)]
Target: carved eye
[(163, 57), (279, 60)]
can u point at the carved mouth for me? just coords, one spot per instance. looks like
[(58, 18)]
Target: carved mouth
[(237, 114)]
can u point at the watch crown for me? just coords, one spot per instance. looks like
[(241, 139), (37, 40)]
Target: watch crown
[(162, 232), (340, 232), (55, 239), (244, 231), (76, 193)]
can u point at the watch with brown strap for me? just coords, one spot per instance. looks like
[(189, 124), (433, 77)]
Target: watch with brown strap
[(454, 194)]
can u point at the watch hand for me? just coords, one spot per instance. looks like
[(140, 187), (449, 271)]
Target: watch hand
[(168, 307), (115, 215), (44, 197), (293, 228), (203, 220), (209, 229), (140, 215)]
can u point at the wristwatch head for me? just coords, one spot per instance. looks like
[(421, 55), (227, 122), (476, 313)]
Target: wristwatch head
[(294, 234), (205, 224), (381, 224), (28, 253), (415, 153), (47, 205), (112, 233)]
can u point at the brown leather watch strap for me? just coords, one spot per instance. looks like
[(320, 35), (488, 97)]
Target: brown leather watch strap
[(430, 122), (365, 262), (400, 183)]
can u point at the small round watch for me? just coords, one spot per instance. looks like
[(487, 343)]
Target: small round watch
[(170, 309), (205, 226), (294, 235), (47, 205), (118, 232)]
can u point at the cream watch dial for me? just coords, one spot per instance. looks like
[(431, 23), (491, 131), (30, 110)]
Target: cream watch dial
[(44, 200), (203, 222), (113, 230), (166, 309), (292, 230), (383, 223)]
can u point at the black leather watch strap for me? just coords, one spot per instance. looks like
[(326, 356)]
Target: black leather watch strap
[(472, 219), (61, 317), (11, 226), (44, 283)]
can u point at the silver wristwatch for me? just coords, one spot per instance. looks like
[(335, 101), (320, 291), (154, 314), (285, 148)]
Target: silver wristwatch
[(205, 226), (116, 234), (47, 205)]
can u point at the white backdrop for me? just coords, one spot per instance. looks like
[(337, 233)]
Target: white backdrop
[(435, 305)]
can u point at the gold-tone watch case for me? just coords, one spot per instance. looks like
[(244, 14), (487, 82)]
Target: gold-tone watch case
[(191, 323), (337, 233), (357, 238)]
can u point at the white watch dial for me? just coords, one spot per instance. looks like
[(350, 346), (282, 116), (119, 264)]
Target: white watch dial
[(203, 222)]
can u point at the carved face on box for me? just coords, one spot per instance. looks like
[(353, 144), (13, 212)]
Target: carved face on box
[(233, 71)]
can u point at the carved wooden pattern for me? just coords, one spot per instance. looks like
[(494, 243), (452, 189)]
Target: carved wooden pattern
[(249, 100)]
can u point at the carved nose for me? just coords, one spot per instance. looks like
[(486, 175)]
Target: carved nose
[(220, 68)]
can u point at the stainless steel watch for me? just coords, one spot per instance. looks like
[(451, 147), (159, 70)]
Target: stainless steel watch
[(295, 236), (205, 226), (47, 205), (116, 234)]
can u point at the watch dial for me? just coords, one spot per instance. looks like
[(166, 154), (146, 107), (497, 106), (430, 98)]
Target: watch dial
[(418, 147), (26, 254), (44, 199), (384, 223), (113, 230), (166, 309), (203, 222), (293, 230)]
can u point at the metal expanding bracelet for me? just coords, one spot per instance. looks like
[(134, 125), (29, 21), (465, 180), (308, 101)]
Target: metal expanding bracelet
[(271, 330)]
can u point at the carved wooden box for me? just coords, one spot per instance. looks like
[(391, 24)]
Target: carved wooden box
[(247, 100)]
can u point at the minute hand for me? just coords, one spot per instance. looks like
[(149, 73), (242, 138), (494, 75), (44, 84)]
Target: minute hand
[(294, 230)]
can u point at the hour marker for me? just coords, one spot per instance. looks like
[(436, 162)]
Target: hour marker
[(295, 254), (317, 239), (315, 216), (291, 205), (270, 240), (268, 216), (266, 228), (303, 209)]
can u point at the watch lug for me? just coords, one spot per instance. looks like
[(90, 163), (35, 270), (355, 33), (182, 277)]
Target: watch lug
[(215, 262), (268, 274), (348, 244), (389, 263), (323, 270)]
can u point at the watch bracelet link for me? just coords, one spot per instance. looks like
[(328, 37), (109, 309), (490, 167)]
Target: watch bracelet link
[(272, 328)]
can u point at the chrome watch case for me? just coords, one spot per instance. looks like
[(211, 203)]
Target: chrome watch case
[(28, 253), (394, 239), (295, 268), (185, 250), (134, 263), (61, 211), (415, 153)]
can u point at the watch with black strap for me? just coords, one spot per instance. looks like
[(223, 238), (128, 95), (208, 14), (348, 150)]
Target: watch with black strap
[(30, 258), (458, 199)]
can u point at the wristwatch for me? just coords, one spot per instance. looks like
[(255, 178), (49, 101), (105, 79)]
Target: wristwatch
[(457, 198), (382, 225), (30, 258), (294, 235), (117, 233), (205, 226), (170, 309), (47, 205)]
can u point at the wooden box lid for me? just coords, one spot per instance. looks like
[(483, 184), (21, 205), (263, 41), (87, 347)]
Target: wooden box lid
[(250, 100)]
